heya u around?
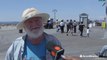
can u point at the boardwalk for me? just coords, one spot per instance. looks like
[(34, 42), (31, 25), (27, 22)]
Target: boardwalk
[(73, 45)]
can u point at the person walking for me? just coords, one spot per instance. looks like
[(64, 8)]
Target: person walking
[(75, 26), (71, 26), (81, 27), (62, 24), (67, 26), (88, 31)]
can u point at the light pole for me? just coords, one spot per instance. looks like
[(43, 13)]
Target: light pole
[(54, 11), (104, 23), (105, 3)]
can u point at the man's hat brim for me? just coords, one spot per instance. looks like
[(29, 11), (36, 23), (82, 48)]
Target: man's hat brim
[(44, 16)]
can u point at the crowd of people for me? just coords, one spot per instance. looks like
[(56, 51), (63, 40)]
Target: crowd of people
[(69, 26), (72, 26)]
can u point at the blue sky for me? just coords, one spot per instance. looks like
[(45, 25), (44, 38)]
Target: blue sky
[(10, 10)]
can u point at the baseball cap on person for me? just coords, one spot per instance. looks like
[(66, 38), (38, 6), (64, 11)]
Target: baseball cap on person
[(29, 13)]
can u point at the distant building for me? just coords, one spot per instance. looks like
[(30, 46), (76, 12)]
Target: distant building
[(84, 18)]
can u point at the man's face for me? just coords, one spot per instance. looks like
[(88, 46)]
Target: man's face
[(34, 23), (34, 26)]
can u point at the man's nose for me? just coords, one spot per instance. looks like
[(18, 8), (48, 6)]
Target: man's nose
[(36, 24)]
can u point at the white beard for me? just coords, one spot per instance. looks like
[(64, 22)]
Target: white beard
[(34, 34)]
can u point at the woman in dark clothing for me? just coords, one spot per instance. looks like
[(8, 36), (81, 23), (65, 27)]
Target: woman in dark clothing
[(81, 27)]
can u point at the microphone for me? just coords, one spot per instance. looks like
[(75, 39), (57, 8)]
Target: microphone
[(55, 50)]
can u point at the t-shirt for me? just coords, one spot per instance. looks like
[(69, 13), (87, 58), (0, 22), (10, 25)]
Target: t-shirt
[(87, 30), (75, 23), (81, 27), (61, 23), (35, 52), (67, 23)]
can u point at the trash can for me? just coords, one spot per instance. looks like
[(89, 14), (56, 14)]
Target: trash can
[(20, 30)]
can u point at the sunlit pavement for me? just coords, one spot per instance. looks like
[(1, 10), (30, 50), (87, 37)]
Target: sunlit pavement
[(73, 45)]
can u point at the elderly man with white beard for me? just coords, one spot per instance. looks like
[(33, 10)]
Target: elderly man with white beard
[(32, 46)]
